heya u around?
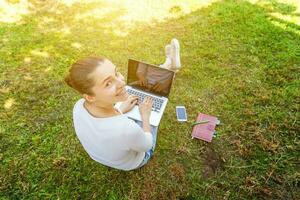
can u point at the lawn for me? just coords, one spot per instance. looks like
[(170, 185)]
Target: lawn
[(240, 62)]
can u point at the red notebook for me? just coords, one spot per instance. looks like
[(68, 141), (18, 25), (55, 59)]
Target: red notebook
[(205, 131)]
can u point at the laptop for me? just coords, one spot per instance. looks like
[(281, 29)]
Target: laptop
[(143, 80)]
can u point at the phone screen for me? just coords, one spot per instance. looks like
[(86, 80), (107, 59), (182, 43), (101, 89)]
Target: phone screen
[(181, 113)]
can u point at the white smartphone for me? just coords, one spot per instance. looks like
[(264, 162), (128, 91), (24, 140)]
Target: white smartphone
[(181, 113)]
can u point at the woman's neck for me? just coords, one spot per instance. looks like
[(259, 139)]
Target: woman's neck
[(100, 110)]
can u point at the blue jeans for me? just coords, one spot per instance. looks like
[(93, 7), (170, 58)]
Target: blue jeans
[(149, 153)]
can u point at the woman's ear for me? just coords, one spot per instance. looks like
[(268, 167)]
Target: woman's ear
[(89, 98)]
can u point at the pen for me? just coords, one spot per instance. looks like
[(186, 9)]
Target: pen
[(200, 122)]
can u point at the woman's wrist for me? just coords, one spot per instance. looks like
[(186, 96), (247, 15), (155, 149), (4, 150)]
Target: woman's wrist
[(123, 110), (145, 117), (146, 125)]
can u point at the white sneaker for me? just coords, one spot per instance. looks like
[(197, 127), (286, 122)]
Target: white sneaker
[(168, 63), (175, 51)]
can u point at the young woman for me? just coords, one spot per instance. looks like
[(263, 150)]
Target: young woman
[(108, 136)]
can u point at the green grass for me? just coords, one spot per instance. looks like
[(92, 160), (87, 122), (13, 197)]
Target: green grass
[(240, 63)]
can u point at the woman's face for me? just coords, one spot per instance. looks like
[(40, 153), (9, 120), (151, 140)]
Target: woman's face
[(109, 85)]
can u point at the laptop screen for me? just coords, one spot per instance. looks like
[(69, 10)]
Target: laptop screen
[(149, 78)]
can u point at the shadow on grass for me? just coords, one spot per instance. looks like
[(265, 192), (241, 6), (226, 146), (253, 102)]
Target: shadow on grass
[(237, 65)]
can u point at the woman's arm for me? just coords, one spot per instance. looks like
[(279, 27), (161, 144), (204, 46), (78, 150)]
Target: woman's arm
[(145, 111), (146, 124), (137, 139)]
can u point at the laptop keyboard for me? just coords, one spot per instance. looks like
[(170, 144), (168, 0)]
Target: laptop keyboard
[(157, 102)]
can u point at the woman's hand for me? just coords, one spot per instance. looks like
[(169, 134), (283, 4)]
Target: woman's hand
[(145, 108), (129, 103)]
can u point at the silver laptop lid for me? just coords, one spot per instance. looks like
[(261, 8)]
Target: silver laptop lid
[(149, 78)]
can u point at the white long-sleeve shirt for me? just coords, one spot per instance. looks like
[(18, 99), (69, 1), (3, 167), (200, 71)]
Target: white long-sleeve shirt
[(116, 141)]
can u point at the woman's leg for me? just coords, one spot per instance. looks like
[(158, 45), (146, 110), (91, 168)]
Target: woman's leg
[(154, 130)]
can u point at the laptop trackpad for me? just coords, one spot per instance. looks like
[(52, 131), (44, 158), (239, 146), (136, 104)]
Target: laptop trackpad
[(135, 114)]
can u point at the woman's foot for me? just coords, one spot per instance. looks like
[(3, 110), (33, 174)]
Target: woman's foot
[(172, 51), (168, 63), (175, 54)]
